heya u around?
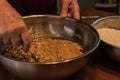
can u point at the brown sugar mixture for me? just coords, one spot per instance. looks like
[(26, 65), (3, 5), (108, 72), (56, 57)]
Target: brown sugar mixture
[(46, 50)]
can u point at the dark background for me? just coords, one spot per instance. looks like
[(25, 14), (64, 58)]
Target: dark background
[(29, 7)]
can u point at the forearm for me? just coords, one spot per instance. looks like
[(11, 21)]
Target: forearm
[(2, 2), (5, 6), (6, 9)]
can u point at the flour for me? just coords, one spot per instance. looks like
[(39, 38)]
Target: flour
[(111, 36)]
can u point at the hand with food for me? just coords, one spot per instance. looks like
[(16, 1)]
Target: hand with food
[(70, 8), (12, 27)]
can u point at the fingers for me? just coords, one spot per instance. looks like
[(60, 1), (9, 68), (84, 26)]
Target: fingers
[(64, 10), (6, 40), (24, 35), (26, 40), (1, 45), (75, 10), (13, 39), (16, 40), (1, 42), (16, 37), (76, 14), (69, 15), (70, 8)]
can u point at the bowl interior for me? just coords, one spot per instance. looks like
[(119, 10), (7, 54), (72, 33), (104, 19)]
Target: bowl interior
[(110, 22), (55, 26), (68, 28)]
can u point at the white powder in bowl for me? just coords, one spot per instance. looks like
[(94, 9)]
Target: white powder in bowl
[(111, 36)]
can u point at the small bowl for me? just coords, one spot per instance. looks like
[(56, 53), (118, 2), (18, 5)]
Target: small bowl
[(112, 22), (56, 26)]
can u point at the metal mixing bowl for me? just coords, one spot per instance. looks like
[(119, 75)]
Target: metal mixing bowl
[(111, 50), (55, 26)]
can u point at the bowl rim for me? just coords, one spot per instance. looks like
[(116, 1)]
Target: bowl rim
[(68, 60), (101, 19)]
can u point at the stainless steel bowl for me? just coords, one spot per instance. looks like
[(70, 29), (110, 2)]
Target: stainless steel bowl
[(55, 26), (112, 51)]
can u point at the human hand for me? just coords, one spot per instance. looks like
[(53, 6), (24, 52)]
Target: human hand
[(12, 27), (70, 8)]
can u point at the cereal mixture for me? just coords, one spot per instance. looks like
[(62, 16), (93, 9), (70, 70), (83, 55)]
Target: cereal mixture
[(45, 49)]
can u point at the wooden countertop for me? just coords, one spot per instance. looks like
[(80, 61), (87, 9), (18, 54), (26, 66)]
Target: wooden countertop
[(99, 66)]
